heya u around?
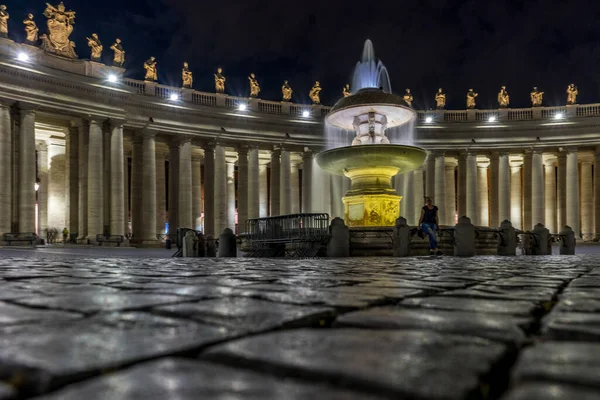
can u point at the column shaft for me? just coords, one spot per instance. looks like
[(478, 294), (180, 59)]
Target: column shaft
[(117, 184), (95, 181), (197, 193), (173, 195), (337, 206), (284, 182), (126, 191), (462, 185), (537, 189), (408, 198), (597, 193), (42, 194), (527, 191), (243, 188), (494, 202), (418, 192), (482, 190), (516, 208), (450, 195), (550, 196), (562, 190), (209, 191), (231, 210), (471, 189), (263, 186), (184, 211), (430, 177), (137, 166), (27, 172), (161, 193), (71, 179), (307, 174), (440, 187), (5, 168), (149, 189), (573, 192), (275, 183), (587, 201), (294, 188), (503, 188), (220, 190), (253, 185)]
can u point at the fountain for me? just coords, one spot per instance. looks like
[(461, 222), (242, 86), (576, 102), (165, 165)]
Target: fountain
[(371, 161)]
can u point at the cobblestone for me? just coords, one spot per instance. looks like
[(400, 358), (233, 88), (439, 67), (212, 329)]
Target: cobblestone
[(417, 328)]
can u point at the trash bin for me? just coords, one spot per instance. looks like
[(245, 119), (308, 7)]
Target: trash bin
[(168, 243)]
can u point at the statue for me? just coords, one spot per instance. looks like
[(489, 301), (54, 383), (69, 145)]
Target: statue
[(346, 90), (186, 76), (60, 26), (3, 21), (150, 67), (119, 57), (254, 86), (471, 98), (572, 93), (96, 46), (408, 98), (219, 81), (286, 90), (503, 98), (314, 93), (536, 97), (440, 99), (31, 29)]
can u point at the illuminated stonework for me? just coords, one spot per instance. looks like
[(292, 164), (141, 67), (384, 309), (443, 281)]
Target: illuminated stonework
[(371, 210)]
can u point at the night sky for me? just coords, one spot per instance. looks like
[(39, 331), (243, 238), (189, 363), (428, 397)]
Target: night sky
[(425, 44)]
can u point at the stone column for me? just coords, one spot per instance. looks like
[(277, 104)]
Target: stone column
[(440, 187), (117, 181), (284, 182), (71, 179), (42, 193), (173, 195), (573, 192), (220, 190), (430, 177), (450, 193), (137, 166), (243, 208), (471, 189), (209, 191), (27, 171), (494, 201), (57, 206), (597, 193), (587, 200), (126, 199), (550, 195), (307, 174), (321, 184), (5, 168), (537, 189), (275, 183), (231, 210), (516, 208), (482, 192), (161, 193), (185, 184), (263, 188), (527, 191), (149, 189), (461, 184), (253, 184), (408, 199), (561, 191), (503, 188), (95, 181), (197, 193), (295, 188), (418, 192), (337, 206)]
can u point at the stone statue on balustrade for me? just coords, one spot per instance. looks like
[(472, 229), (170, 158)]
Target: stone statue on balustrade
[(440, 99), (219, 81), (408, 98), (286, 91), (3, 21), (346, 90), (471, 95), (186, 76), (572, 93), (503, 98), (60, 26), (315, 93), (536, 97), (151, 70), (31, 29), (119, 56), (96, 46), (254, 86)]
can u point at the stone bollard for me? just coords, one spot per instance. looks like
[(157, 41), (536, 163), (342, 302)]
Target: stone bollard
[(541, 241), (401, 238), (507, 243), (227, 244), (567, 242), (339, 242), (201, 249), (464, 238), (188, 244), (211, 246)]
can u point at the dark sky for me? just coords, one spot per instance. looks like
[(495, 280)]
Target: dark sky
[(425, 44)]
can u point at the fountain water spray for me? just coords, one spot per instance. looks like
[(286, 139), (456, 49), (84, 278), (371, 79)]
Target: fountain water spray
[(370, 72)]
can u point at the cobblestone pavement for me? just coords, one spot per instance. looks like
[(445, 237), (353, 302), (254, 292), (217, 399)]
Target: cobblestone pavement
[(371, 328)]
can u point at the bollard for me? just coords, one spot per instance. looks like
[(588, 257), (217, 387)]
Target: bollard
[(227, 244), (339, 242), (541, 241), (567, 241), (401, 238), (464, 238), (188, 244), (201, 243), (507, 242), (211, 246)]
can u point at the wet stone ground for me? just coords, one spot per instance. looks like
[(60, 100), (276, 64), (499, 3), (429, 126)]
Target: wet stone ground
[(521, 328)]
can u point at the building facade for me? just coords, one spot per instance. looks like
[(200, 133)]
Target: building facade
[(131, 156)]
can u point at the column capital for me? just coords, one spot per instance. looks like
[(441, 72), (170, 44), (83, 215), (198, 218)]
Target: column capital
[(26, 107), (185, 140), (494, 156), (6, 103), (242, 149), (116, 122)]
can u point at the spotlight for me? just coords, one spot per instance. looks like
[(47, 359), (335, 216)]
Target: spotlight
[(174, 97), (242, 107), (492, 119), (428, 120), (305, 114), (558, 115), (112, 78), (23, 57)]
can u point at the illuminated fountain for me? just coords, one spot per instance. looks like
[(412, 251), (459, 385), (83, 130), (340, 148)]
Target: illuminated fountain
[(371, 161)]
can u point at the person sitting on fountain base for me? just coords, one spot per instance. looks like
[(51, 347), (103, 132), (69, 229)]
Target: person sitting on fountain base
[(429, 223)]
